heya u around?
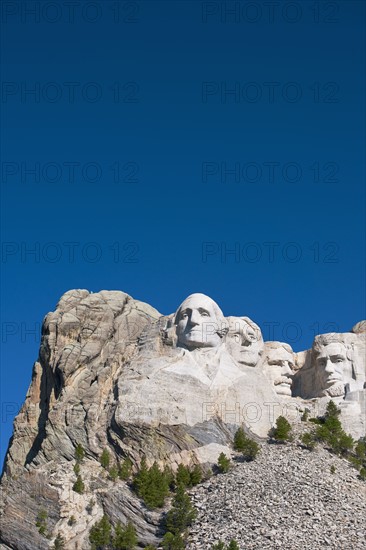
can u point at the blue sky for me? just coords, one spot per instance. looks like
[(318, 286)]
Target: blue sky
[(164, 148)]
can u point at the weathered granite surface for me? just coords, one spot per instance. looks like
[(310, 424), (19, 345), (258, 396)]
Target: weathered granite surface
[(114, 373)]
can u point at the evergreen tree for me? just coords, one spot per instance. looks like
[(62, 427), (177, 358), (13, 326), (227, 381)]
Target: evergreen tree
[(79, 453), (59, 543), (219, 546), (105, 459), (125, 469), (124, 538), (77, 468), (196, 474), (223, 463), (308, 440), (233, 545), (113, 472), (173, 542), (78, 486), (100, 533), (282, 431), (183, 476), (41, 521), (248, 447), (332, 411), (239, 440), (152, 485), (182, 513)]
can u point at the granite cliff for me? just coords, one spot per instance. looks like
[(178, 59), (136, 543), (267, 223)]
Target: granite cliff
[(113, 373)]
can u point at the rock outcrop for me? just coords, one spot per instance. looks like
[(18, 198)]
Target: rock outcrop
[(113, 373)]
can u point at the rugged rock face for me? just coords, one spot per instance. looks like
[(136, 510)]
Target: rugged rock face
[(114, 373)]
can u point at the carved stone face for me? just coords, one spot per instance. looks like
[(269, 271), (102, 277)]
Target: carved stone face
[(333, 369), (199, 321), (244, 341), (279, 369)]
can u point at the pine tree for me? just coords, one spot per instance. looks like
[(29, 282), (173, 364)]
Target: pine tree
[(219, 546), (105, 459), (223, 463), (100, 533), (183, 475), (59, 543), (79, 453), (79, 486), (125, 469), (173, 542), (182, 513), (113, 472), (124, 538), (332, 411), (233, 545), (196, 475), (239, 440), (152, 485), (282, 431)]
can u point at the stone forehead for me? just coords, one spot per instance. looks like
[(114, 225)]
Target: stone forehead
[(273, 346), (332, 348), (200, 300)]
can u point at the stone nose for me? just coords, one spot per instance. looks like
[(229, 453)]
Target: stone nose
[(194, 318), (286, 368), (329, 366)]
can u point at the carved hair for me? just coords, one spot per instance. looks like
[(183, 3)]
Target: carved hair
[(222, 328), (322, 340)]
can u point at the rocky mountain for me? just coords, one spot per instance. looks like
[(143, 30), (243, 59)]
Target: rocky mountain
[(113, 373)]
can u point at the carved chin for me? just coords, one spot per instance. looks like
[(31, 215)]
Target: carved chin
[(336, 390), (283, 389)]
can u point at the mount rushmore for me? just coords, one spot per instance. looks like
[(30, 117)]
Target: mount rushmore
[(114, 373)]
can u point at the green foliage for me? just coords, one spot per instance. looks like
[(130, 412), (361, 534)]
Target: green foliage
[(187, 476), (305, 415), (77, 468), (196, 475), (356, 462), (233, 545), (330, 431), (362, 474), (332, 469), (41, 521), (71, 521), (332, 411), (172, 542), (223, 463), (308, 440), (79, 486), (105, 459), (182, 513), (59, 543), (79, 453), (218, 546), (150, 547), (124, 537), (125, 469), (183, 476), (248, 447), (113, 472), (239, 439), (360, 449), (152, 485), (282, 431), (100, 533)]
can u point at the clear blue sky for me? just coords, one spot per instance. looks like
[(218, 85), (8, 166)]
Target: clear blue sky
[(163, 135)]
